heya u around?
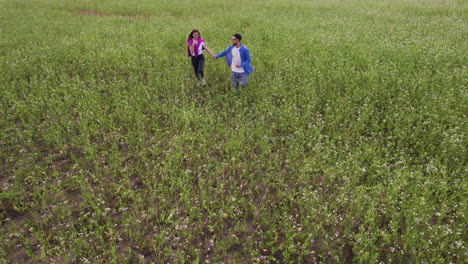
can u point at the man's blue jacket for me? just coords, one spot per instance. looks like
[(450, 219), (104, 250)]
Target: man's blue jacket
[(245, 58)]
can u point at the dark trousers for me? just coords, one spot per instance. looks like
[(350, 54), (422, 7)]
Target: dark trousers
[(198, 63)]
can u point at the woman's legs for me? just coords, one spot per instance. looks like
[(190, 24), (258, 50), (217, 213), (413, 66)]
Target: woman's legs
[(198, 64), (195, 64), (201, 66)]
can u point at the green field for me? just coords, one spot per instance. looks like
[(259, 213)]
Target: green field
[(348, 146)]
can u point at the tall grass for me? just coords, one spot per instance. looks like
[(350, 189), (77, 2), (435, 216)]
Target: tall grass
[(349, 145)]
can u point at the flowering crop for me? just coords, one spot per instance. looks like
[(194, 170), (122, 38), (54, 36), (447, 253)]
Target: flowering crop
[(348, 145)]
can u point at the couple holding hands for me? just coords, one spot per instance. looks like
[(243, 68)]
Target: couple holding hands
[(237, 57)]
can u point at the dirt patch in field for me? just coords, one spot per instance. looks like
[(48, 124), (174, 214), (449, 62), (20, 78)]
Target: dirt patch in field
[(98, 13), (89, 13)]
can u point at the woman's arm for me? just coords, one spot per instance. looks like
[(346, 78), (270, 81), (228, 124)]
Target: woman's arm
[(191, 45), (192, 49), (209, 51)]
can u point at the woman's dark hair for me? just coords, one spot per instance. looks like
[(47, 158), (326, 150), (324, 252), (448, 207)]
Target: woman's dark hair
[(190, 36), (238, 36)]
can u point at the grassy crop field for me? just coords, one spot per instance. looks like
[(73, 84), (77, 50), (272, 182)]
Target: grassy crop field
[(348, 146)]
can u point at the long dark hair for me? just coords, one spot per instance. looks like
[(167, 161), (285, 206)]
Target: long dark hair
[(190, 36)]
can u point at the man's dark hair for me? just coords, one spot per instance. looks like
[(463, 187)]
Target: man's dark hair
[(238, 36)]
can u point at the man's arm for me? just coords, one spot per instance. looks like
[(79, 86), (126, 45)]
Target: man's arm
[(246, 60), (224, 53)]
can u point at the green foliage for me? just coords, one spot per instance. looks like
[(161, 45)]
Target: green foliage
[(349, 145)]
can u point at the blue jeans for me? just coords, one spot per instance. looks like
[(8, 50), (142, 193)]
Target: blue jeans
[(235, 76)]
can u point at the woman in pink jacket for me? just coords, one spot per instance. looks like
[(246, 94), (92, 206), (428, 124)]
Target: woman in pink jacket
[(196, 45)]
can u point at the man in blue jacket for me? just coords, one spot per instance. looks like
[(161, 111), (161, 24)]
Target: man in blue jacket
[(238, 58)]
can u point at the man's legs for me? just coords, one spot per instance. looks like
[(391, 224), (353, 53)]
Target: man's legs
[(235, 76), (235, 81), (244, 80)]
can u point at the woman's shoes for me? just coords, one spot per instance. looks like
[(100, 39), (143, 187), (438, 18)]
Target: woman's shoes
[(201, 81)]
